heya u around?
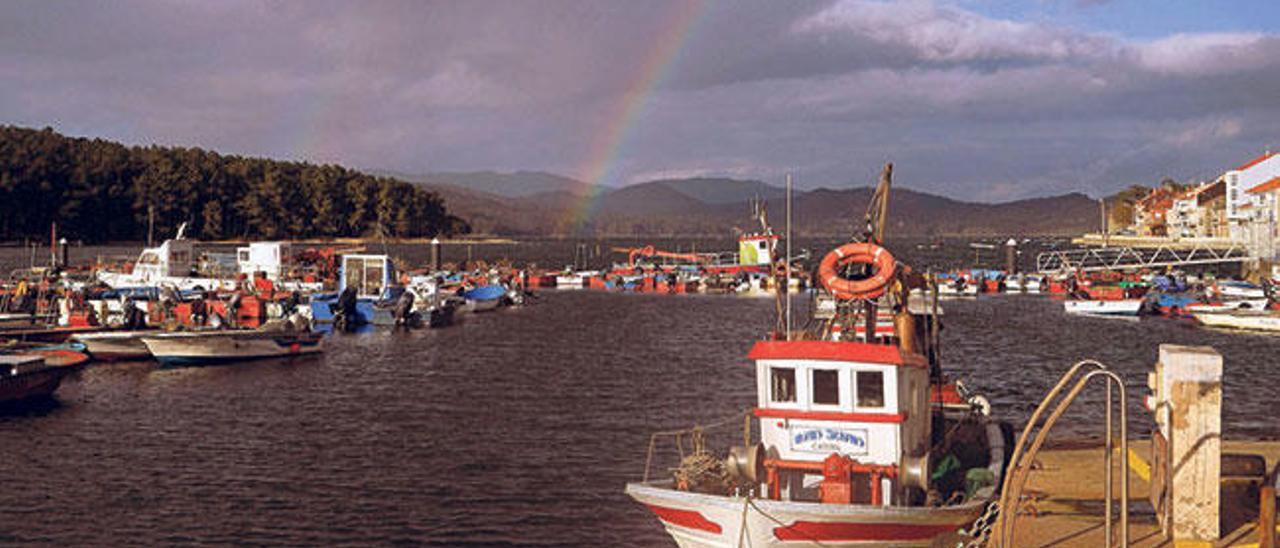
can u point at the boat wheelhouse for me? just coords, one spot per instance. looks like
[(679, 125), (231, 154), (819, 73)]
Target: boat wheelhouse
[(174, 263), (823, 398)]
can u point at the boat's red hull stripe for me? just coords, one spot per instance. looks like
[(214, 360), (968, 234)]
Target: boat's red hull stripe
[(894, 418), (833, 351), (685, 518), (827, 531)]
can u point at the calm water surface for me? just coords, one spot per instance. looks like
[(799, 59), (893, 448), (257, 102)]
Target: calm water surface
[(518, 427)]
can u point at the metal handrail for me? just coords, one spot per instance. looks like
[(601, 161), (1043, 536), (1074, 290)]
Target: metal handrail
[(1015, 482), (1015, 458)]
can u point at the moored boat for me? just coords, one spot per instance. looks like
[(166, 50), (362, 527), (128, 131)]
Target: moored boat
[(485, 297), (1093, 307), (201, 348), (36, 374), (1253, 320)]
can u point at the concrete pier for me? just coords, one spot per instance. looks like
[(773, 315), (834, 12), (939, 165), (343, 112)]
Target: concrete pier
[(1064, 506)]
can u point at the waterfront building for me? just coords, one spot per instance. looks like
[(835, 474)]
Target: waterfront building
[(1241, 204), (1263, 176), (1150, 213), (1211, 206), (1184, 218)]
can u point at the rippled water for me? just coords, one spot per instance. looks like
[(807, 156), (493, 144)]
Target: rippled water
[(516, 427)]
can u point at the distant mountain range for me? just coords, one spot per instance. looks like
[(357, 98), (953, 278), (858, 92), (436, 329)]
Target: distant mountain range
[(537, 203)]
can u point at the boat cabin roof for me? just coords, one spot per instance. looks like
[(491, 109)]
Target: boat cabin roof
[(841, 351)]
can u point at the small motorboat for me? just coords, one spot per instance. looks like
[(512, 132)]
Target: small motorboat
[(485, 297), (202, 348), (1116, 307), (36, 374), (1024, 283), (575, 279), (957, 286), (1237, 290), (1253, 320)]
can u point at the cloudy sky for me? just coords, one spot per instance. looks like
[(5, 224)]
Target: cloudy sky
[(976, 99)]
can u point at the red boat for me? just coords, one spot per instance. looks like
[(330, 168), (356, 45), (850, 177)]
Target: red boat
[(36, 374)]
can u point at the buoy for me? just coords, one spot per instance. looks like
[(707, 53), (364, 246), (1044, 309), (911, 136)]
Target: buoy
[(878, 257)]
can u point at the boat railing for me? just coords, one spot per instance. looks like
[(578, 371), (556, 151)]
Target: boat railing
[(1024, 455), (688, 440)]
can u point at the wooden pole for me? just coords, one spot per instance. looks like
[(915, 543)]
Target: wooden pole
[(1267, 515), (1106, 230)]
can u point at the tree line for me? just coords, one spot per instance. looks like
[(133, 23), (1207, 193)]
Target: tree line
[(97, 191)]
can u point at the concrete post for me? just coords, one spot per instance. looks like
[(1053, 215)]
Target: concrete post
[(1188, 409), (1011, 257)]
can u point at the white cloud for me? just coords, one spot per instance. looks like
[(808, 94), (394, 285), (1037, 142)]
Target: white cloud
[(950, 34), (457, 85), (1203, 132), (1208, 54)]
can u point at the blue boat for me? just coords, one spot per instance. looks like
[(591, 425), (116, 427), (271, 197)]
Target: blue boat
[(485, 297)]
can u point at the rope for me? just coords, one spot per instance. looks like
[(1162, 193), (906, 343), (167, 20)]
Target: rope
[(812, 540), (678, 434)]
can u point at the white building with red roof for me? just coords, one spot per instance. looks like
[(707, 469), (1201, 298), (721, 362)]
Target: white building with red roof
[(1256, 186), (1184, 219)]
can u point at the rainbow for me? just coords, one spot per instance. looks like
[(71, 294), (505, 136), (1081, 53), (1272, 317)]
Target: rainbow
[(608, 144)]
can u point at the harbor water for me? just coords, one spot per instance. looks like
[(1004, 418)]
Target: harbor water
[(518, 427)]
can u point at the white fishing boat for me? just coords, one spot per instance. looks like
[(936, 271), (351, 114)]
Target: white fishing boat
[(1253, 320), (1237, 290), (1119, 307), (174, 264), (1024, 283), (200, 348), (954, 289), (1227, 305), (862, 441)]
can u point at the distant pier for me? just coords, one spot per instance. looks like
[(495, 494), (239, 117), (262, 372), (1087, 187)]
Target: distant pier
[(1153, 242), (1110, 252)]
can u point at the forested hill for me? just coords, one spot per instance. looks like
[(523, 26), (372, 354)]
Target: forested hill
[(98, 190)]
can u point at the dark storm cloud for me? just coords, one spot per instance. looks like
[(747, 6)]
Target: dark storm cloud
[(965, 104)]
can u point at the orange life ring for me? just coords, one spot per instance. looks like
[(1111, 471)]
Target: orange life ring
[(878, 257)]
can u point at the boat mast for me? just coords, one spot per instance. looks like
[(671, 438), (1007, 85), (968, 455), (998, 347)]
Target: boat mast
[(877, 214), (786, 279)]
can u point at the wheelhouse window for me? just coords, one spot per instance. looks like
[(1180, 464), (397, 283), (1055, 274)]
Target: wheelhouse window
[(870, 388), (354, 269), (782, 384), (826, 387)]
